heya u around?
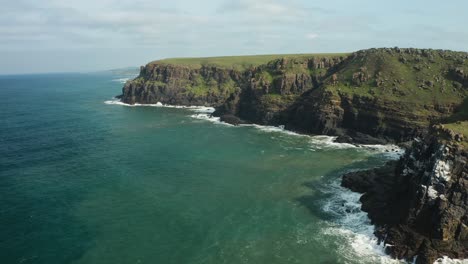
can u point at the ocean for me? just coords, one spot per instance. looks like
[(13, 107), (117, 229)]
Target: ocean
[(85, 179)]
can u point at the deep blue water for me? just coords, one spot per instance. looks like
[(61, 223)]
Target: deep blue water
[(82, 181)]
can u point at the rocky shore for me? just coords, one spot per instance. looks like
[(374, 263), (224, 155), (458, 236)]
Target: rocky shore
[(419, 204)]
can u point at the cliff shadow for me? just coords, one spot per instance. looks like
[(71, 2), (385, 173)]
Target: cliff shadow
[(460, 113)]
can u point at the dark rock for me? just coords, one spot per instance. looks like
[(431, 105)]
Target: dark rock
[(232, 119), (419, 204)]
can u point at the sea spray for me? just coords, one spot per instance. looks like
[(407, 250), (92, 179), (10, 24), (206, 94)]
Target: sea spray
[(352, 225)]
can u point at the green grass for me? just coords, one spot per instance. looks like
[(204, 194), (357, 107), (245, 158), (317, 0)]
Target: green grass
[(239, 62), (460, 127), (202, 87), (401, 80), (277, 100)]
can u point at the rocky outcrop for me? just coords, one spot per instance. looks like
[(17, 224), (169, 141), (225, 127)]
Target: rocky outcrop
[(459, 76), (360, 119), (272, 89), (370, 96), (420, 203), (181, 85)]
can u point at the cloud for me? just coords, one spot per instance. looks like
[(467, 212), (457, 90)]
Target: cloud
[(91, 23), (155, 28), (311, 36), (260, 7)]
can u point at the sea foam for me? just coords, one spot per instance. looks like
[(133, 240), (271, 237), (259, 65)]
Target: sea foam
[(121, 80), (199, 109), (316, 142), (446, 260), (352, 226)]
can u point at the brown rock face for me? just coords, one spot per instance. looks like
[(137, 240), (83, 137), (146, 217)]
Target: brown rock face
[(268, 91), (382, 121), (420, 203)]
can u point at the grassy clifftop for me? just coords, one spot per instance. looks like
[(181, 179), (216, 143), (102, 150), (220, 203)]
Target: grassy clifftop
[(239, 62), (406, 75)]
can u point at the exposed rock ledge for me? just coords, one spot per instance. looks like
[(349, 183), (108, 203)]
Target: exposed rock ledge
[(419, 204)]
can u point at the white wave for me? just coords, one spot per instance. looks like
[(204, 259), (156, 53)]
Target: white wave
[(274, 129), (447, 260), (210, 118), (353, 227), (320, 142), (116, 102), (317, 142), (328, 142), (200, 109), (121, 80)]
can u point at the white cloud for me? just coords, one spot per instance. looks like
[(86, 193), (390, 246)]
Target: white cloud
[(311, 36), (157, 28)]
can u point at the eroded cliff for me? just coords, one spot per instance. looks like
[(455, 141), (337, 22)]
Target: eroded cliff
[(420, 203), (370, 96)]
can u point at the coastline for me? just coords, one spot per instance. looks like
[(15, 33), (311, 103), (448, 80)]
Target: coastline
[(393, 152), (365, 239)]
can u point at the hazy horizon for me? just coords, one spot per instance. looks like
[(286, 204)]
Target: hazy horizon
[(53, 36)]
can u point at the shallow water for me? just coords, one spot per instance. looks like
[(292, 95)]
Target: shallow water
[(83, 181)]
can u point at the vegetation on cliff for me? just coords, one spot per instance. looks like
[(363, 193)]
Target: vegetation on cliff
[(237, 62)]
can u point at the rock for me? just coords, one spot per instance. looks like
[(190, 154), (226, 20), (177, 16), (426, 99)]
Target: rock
[(416, 212), (360, 77), (334, 79), (309, 95), (231, 119), (344, 139), (172, 84), (429, 83)]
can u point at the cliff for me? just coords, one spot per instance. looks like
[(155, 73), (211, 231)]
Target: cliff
[(370, 96), (420, 203)]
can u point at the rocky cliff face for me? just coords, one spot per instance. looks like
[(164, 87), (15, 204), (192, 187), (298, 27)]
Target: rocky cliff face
[(270, 90), (371, 96), (353, 118), (181, 85), (420, 203)]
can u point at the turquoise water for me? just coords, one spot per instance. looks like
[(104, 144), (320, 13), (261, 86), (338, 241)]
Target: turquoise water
[(82, 181)]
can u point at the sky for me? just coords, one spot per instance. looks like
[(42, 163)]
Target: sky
[(89, 35)]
